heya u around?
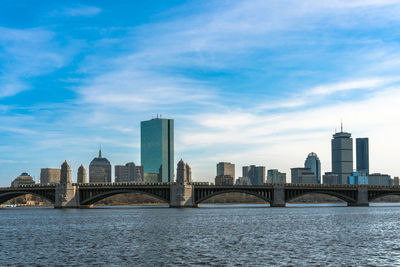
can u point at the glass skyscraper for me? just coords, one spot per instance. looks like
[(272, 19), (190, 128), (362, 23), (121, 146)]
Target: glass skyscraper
[(157, 148), (362, 155)]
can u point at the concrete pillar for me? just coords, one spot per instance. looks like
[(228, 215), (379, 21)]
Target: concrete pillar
[(67, 196), (181, 196), (278, 199), (362, 198)]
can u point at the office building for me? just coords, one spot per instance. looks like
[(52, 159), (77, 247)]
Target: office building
[(379, 179), (342, 155), (50, 176), (82, 176), (396, 181), (330, 178), (256, 174), (157, 148), (23, 179), (314, 164), (362, 155), (358, 178), (276, 177), (100, 170), (303, 176), (226, 168), (224, 180)]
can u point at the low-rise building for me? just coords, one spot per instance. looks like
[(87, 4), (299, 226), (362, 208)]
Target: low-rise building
[(224, 180), (396, 181), (23, 179), (379, 179), (303, 176), (358, 178), (50, 176), (150, 177), (330, 178), (276, 177)]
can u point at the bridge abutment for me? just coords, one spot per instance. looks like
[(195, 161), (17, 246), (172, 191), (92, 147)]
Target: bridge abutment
[(278, 199), (67, 196), (362, 198), (182, 196)]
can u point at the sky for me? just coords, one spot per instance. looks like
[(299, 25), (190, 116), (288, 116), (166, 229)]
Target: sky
[(249, 82)]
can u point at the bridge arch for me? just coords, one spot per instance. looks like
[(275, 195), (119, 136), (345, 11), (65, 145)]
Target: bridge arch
[(213, 194), (340, 196), (4, 197), (96, 198), (383, 194)]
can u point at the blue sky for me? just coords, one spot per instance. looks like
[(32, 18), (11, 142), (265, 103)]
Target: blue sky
[(251, 82)]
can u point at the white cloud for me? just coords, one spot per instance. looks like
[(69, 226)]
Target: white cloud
[(82, 11)]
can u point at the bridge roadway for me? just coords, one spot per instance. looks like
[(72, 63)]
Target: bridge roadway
[(191, 195)]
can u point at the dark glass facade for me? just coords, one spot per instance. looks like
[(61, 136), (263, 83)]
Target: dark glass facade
[(157, 148), (362, 155)]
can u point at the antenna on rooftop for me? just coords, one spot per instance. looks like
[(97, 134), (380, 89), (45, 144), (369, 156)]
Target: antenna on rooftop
[(341, 126)]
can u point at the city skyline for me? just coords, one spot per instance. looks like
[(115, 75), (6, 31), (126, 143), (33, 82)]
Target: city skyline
[(243, 84), (232, 167)]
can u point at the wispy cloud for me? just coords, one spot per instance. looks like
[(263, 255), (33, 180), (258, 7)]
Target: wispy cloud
[(27, 53), (86, 11)]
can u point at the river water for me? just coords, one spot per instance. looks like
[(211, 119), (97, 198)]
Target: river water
[(239, 235)]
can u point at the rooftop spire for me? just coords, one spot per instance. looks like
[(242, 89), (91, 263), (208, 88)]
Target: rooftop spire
[(100, 152), (341, 126)]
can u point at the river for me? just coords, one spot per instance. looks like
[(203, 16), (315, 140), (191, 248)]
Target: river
[(236, 235)]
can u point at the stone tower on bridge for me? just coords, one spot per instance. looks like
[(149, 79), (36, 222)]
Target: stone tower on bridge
[(182, 191), (66, 193), (82, 175)]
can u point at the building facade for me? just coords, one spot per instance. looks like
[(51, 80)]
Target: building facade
[(314, 164), (379, 179), (100, 170), (157, 148), (224, 180), (362, 155), (330, 178), (226, 168), (23, 179), (50, 176), (303, 176), (358, 178), (82, 175), (243, 181), (256, 174), (342, 155), (276, 177)]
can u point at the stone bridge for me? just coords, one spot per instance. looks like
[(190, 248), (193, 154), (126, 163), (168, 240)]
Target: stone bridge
[(193, 194)]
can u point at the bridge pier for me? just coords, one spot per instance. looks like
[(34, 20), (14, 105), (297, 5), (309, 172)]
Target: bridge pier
[(86, 206), (181, 196), (67, 196), (1, 206), (278, 199), (362, 198)]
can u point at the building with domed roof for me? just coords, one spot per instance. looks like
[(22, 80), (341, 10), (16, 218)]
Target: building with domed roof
[(314, 164), (82, 175), (23, 179), (100, 170)]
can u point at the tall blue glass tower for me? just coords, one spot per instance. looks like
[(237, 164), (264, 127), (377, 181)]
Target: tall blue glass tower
[(362, 152), (157, 148)]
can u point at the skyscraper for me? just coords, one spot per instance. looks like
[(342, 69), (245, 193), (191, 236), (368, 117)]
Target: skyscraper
[(157, 148), (226, 168), (100, 170), (314, 164), (342, 155), (362, 153), (256, 174)]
